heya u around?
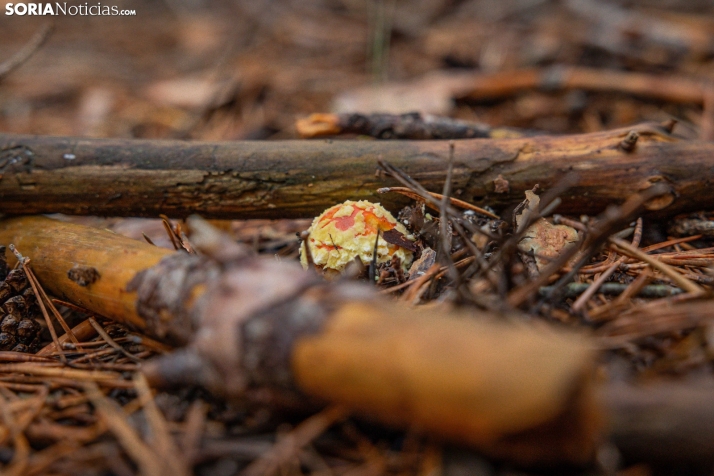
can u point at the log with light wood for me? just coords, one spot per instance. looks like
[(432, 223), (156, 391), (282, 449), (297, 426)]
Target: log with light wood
[(516, 391), (277, 179)]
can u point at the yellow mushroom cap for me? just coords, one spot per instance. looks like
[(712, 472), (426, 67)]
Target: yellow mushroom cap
[(346, 231)]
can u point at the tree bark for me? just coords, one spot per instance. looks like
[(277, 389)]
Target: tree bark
[(301, 178)]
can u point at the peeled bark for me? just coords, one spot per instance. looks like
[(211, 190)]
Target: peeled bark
[(302, 178)]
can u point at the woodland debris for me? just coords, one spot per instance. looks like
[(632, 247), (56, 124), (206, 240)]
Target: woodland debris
[(443, 87), (542, 239), (432, 93), (609, 222), (301, 436), (455, 202), (413, 126), (19, 310), (656, 318), (203, 360), (316, 52), (612, 27), (693, 224), (280, 179), (423, 264), (650, 291), (681, 281), (110, 254), (82, 332)]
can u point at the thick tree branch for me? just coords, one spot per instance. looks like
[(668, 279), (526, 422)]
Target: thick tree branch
[(302, 178), (520, 392), (515, 391)]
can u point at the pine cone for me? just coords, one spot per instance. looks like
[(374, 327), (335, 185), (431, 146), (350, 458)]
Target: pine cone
[(18, 310), (3, 264)]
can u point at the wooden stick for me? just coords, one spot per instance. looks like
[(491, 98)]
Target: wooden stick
[(302, 178), (83, 331), (414, 126), (437, 196), (664, 87)]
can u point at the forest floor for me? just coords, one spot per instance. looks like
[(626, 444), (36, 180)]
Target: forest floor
[(181, 69)]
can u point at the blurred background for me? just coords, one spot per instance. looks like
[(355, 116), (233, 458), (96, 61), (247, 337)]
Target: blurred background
[(222, 70)]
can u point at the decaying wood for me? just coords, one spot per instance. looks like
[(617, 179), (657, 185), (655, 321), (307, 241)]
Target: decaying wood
[(517, 391), (301, 179), (413, 126)]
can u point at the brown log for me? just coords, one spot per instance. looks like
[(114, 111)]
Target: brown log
[(302, 178), (521, 392)]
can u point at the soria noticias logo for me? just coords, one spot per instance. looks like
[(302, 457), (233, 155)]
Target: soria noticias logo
[(62, 8)]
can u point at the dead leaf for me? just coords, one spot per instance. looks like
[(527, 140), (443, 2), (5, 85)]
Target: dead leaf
[(422, 265), (431, 94), (187, 92), (543, 239), (500, 184)]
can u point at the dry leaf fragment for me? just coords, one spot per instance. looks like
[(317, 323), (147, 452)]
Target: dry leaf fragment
[(423, 264), (431, 94), (500, 184), (543, 239)]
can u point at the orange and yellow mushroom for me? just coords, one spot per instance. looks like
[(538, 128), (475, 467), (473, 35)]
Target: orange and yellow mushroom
[(349, 230)]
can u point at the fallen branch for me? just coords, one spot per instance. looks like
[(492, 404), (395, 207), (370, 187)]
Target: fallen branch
[(414, 126), (516, 391), (574, 290), (302, 178), (677, 89)]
